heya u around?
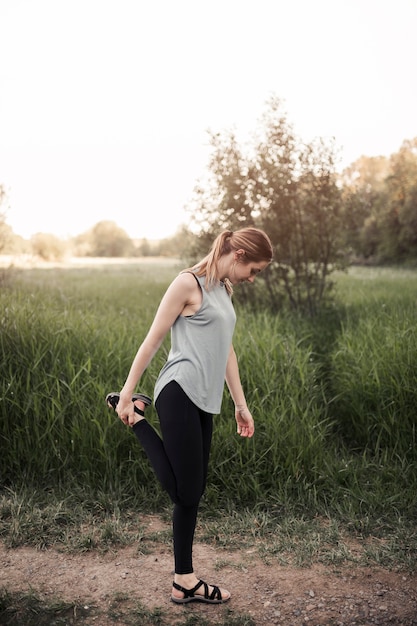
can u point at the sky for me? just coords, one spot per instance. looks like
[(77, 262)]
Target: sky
[(105, 104)]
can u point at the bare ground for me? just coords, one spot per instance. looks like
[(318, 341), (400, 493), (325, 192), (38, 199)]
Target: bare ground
[(269, 593)]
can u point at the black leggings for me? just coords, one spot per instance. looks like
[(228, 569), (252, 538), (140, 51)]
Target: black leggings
[(180, 460)]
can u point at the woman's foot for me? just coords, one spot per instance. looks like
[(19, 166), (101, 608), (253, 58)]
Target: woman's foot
[(188, 588), (140, 414), (140, 401)]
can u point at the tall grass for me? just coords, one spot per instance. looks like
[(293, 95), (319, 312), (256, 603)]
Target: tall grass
[(375, 366), (67, 338), (334, 398)]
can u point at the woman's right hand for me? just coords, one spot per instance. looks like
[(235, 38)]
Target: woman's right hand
[(125, 410)]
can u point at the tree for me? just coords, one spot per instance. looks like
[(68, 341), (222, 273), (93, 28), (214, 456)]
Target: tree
[(5, 230), (363, 185), (178, 245), (105, 239), (380, 205), (399, 223), (287, 188), (48, 247)]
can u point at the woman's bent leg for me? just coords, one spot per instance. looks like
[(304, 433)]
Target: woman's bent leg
[(155, 451)]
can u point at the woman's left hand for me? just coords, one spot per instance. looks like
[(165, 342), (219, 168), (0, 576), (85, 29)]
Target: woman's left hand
[(244, 420)]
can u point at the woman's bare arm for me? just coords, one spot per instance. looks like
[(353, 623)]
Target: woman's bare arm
[(182, 292), (244, 419)]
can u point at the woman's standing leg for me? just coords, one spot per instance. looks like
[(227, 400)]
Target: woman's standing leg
[(186, 433)]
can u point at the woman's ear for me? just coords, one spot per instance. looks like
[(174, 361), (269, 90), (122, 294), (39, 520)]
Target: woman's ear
[(239, 254)]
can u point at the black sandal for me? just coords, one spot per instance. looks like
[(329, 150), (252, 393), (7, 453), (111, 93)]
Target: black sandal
[(113, 398), (215, 596)]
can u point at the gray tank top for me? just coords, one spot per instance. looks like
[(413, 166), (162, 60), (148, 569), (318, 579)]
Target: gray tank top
[(200, 345)]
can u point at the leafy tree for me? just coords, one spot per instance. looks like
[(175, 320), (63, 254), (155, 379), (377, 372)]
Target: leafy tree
[(10, 243), (144, 248), (399, 223), (178, 245), (363, 184), (408, 235), (380, 205), (287, 188), (48, 247), (5, 230), (105, 239)]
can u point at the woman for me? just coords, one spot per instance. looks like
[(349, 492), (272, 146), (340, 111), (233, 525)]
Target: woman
[(198, 310)]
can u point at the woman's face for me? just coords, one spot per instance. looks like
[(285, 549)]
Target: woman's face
[(242, 272)]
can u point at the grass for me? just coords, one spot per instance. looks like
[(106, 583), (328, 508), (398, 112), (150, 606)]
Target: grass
[(31, 610), (45, 521), (333, 398)]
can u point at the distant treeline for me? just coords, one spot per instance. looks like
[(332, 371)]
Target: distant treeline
[(316, 216)]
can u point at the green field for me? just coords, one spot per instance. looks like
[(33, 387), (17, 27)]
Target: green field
[(334, 398)]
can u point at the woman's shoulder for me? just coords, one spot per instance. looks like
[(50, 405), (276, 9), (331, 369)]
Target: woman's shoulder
[(186, 281), (191, 278)]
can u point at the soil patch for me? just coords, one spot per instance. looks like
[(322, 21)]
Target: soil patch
[(269, 593)]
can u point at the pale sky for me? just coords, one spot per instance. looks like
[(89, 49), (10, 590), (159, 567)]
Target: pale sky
[(105, 104)]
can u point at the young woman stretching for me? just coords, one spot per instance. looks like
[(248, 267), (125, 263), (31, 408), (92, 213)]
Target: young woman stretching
[(198, 310)]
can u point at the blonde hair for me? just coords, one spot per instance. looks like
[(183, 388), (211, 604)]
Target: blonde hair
[(253, 241)]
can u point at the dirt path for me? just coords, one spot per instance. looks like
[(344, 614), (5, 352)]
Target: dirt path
[(270, 594)]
